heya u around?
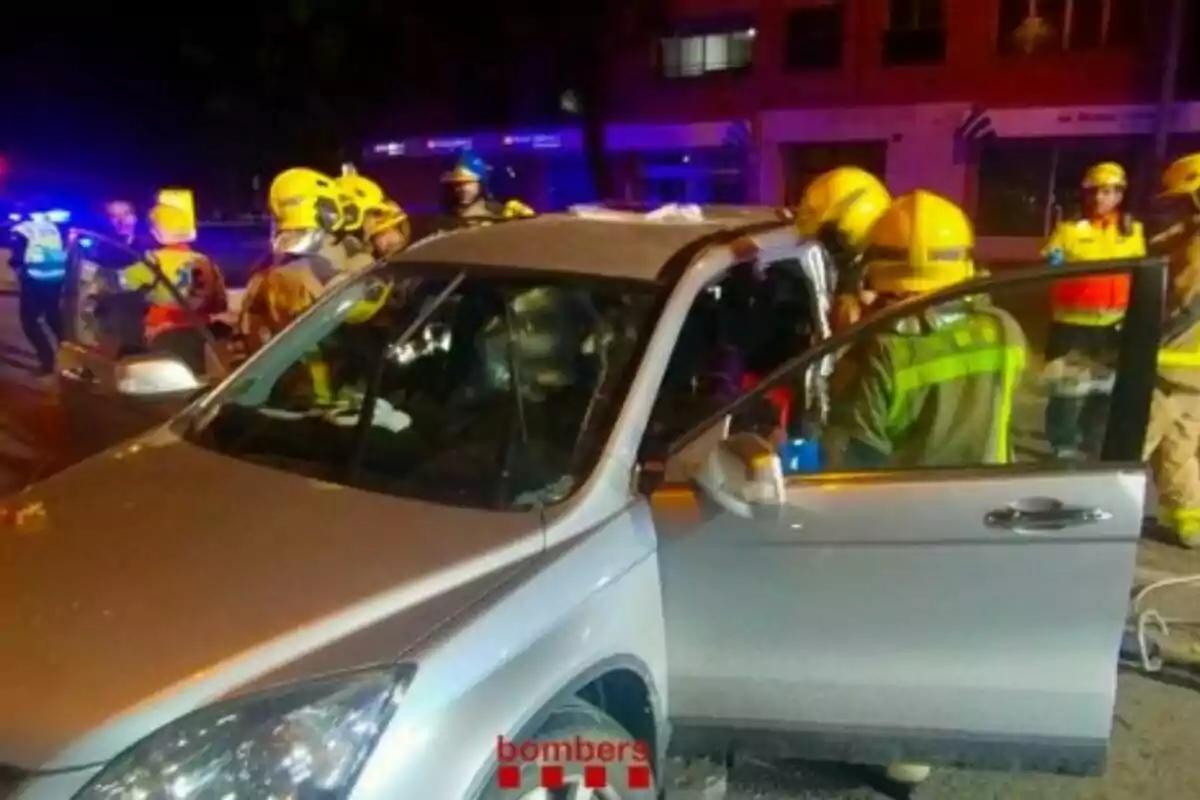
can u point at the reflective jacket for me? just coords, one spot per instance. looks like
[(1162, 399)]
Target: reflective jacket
[(45, 255), (282, 291), (193, 274), (1179, 352), (938, 391), (483, 213), (1098, 300)]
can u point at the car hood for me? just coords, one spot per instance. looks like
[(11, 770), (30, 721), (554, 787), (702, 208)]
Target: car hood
[(150, 580)]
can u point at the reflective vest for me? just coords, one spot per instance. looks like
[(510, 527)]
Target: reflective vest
[(45, 254), (177, 266), (484, 213), (940, 397), (1098, 300)]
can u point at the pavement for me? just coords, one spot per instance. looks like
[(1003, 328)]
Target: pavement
[(1156, 721)]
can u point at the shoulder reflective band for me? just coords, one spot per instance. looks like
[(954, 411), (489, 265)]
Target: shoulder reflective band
[(961, 352)]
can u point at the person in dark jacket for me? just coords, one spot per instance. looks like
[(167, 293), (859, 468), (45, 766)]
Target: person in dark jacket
[(467, 202)]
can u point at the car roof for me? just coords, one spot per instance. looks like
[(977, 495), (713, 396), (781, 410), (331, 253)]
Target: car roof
[(623, 245)]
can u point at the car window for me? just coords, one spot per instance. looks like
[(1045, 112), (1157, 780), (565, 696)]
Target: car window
[(988, 379), (738, 330), (490, 390)]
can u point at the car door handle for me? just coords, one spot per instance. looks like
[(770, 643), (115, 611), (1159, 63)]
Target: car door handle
[(1044, 519)]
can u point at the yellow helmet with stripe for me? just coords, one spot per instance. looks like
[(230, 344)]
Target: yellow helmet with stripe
[(847, 198), (303, 199), (1104, 174), (1182, 178), (358, 194), (385, 215), (922, 243)]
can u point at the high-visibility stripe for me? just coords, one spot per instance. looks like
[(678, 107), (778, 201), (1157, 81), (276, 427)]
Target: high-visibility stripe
[(1179, 358), (990, 358), (1096, 319)]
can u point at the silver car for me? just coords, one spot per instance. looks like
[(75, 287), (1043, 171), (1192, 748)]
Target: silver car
[(501, 516)]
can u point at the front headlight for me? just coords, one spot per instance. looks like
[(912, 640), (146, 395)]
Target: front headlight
[(303, 741)]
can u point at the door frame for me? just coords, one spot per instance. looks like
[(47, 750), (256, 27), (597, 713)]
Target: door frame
[(1143, 322)]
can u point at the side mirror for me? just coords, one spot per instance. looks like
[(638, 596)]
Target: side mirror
[(656, 466), (744, 475), (157, 375)]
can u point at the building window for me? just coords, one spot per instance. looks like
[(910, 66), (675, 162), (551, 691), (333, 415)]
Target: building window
[(1028, 27), (693, 55), (803, 162), (916, 33), (1026, 185), (814, 36)]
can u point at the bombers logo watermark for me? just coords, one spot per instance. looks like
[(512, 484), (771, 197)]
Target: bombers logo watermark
[(530, 764)]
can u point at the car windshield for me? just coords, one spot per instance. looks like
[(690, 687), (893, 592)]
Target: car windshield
[(486, 388)]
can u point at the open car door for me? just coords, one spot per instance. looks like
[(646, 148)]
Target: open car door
[(113, 383), (969, 614)]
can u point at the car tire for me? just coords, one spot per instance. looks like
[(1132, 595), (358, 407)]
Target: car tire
[(580, 721)]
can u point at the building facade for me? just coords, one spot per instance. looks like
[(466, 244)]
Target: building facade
[(998, 104)]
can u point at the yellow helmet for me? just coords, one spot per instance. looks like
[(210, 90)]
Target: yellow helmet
[(922, 243), (1107, 173), (386, 214), (171, 224), (359, 194), (848, 198), (303, 199), (1182, 177)]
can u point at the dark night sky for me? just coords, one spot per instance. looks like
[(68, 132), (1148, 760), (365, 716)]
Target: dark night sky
[(211, 96), (243, 87)]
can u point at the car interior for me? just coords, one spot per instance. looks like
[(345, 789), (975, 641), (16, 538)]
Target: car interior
[(739, 330), (499, 395)]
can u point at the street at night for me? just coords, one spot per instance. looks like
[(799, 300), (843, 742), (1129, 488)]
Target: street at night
[(1154, 721), (627, 400)]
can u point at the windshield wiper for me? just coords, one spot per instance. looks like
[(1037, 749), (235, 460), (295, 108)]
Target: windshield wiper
[(367, 414)]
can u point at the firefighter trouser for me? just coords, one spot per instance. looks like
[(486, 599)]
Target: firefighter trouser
[(1079, 423), (1173, 451)]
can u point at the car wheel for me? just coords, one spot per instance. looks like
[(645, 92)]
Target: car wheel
[(625, 764)]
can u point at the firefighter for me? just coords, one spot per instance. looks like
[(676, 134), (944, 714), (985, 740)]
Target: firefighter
[(39, 256), (387, 229), (1173, 436), (199, 286), (1086, 314), (468, 203), (838, 209), (835, 213), (307, 216), (358, 195), (937, 388), (901, 398), (307, 212)]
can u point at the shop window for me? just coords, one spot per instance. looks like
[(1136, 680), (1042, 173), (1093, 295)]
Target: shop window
[(803, 162), (916, 33), (691, 56), (1026, 185), (1029, 27), (814, 36)]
